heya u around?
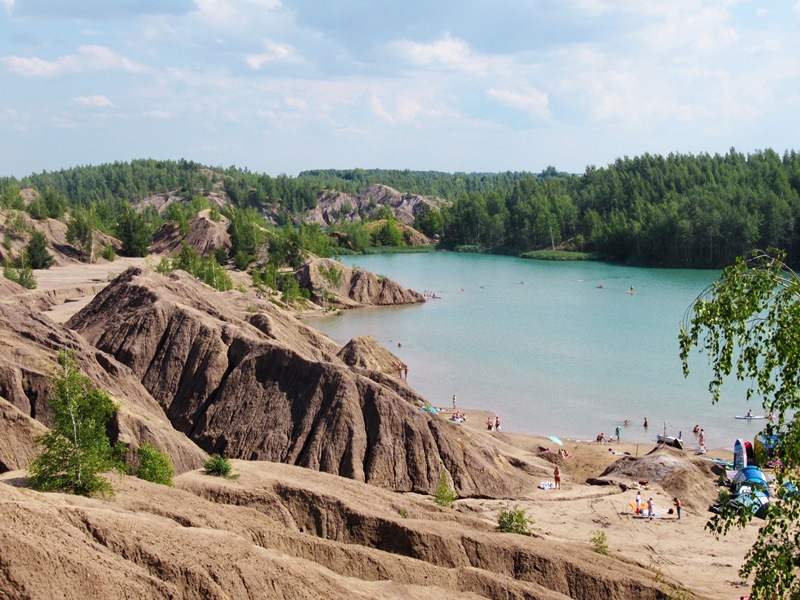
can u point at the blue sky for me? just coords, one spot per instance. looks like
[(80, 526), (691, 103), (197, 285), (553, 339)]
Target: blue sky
[(279, 86)]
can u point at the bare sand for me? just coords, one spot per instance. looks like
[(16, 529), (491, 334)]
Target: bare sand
[(683, 549)]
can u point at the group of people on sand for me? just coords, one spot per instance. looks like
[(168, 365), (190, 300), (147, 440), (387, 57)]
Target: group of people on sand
[(651, 507), (493, 424), (458, 417)]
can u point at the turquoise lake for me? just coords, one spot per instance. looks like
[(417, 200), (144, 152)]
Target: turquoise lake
[(555, 355)]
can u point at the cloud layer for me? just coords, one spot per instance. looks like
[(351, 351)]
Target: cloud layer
[(286, 85)]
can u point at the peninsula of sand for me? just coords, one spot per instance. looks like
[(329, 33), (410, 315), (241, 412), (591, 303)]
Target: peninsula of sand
[(338, 465)]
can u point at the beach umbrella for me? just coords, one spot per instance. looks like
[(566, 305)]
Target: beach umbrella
[(554, 439)]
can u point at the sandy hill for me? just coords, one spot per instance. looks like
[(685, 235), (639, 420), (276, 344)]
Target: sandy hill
[(333, 206), (259, 384), (283, 532), (205, 235), (17, 227), (348, 514)]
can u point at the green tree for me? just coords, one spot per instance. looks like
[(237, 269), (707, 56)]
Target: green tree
[(55, 204), (11, 198), (77, 448), (80, 232), (748, 323), (154, 465), (389, 234), (444, 494), (38, 256), (133, 232)]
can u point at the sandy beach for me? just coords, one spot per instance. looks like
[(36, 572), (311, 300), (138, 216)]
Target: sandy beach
[(682, 550)]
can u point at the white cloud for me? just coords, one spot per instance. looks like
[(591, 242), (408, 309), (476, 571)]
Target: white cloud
[(88, 59), (275, 53), (93, 101), (528, 99), (264, 3), (450, 53)]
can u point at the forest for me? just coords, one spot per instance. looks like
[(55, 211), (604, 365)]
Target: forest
[(680, 210)]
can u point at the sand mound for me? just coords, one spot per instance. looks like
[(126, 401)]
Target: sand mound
[(670, 468)]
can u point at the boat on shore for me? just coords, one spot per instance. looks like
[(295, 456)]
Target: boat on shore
[(670, 440)]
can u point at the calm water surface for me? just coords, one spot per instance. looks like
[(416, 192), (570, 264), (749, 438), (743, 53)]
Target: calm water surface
[(555, 355)]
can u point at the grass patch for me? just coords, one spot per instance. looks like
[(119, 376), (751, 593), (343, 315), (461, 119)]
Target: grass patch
[(562, 255)]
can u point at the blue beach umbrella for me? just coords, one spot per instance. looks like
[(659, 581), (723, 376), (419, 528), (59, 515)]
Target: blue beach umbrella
[(554, 439)]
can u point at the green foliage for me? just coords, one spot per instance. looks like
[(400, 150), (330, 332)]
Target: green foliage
[(109, 253), (77, 448), (404, 513), (246, 234), (38, 256), (207, 269), (221, 255), (599, 542), (559, 255), (675, 210), (134, 232), (214, 214), (389, 234), (11, 199), (332, 275), (53, 203), (444, 495), (80, 231), (154, 465), (514, 520), (16, 224), (429, 221), (20, 272), (219, 466), (747, 324)]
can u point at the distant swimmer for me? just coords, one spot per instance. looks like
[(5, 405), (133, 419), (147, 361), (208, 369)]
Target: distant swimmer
[(522, 282)]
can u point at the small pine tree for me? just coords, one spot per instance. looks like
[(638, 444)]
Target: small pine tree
[(444, 495), (154, 465), (38, 256), (219, 466), (77, 448)]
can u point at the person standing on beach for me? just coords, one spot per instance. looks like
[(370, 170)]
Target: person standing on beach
[(618, 432), (677, 504), (454, 401), (645, 422), (557, 477), (650, 508), (496, 423), (638, 503)]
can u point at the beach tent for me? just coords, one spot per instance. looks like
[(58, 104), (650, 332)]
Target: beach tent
[(752, 477)]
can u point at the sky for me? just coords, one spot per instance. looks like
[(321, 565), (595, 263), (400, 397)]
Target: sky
[(281, 86)]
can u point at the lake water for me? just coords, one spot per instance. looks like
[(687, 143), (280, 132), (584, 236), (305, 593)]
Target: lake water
[(555, 355)]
